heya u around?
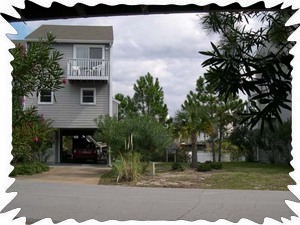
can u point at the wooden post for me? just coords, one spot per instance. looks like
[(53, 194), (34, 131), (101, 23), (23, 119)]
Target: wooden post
[(109, 158), (175, 156), (153, 168), (167, 156)]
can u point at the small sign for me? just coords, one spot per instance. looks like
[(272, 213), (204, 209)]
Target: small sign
[(172, 151)]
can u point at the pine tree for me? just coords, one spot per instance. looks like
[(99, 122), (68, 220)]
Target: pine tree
[(149, 98), (126, 106)]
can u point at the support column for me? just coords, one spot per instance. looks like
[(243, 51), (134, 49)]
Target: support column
[(109, 158), (59, 145)]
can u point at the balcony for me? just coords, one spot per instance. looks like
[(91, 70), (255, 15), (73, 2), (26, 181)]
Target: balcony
[(88, 69)]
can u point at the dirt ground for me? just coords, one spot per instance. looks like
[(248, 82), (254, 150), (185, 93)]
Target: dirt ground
[(90, 174), (188, 178), (83, 174)]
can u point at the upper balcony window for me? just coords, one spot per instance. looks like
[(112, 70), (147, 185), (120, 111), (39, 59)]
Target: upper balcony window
[(45, 97), (89, 52), (88, 63)]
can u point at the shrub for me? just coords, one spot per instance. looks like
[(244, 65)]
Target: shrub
[(244, 140), (128, 166), (109, 176), (177, 166), (149, 137), (32, 135), (203, 167), (28, 169), (145, 167), (216, 165)]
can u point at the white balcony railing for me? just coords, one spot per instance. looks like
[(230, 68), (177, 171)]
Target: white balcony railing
[(88, 69)]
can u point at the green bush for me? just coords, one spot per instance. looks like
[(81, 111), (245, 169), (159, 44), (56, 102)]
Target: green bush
[(216, 165), (177, 166), (203, 167), (28, 169), (147, 136), (31, 137)]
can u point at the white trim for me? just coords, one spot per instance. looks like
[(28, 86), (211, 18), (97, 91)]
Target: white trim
[(110, 86), (81, 96), (89, 46), (45, 103), (116, 101), (74, 41)]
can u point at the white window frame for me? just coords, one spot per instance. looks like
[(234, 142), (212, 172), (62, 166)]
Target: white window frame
[(89, 46), (81, 96), (45, 103)]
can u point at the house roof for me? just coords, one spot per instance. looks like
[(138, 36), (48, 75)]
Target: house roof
[(116, 101), (21, 42), (72, 34)]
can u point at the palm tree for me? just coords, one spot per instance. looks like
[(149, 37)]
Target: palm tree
[(189, 122)]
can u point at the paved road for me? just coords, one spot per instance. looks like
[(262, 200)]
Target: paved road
[(81, 202)]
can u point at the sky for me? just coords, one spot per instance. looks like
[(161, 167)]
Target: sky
[(167, 46)]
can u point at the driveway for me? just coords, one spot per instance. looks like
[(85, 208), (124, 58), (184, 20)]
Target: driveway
[(70, 173)]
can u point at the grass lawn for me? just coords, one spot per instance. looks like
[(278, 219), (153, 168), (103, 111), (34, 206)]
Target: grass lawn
[(254, 176), (234, 175)]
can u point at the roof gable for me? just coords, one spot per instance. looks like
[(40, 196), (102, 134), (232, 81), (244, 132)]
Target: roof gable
[(80, 34)]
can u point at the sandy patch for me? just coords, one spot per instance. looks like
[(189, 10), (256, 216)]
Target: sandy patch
[(185, 179), (70, 174)]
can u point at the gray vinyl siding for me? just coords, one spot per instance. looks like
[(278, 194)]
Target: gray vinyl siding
[(67, 112), (115, 109), (107, 52), (67, 51)]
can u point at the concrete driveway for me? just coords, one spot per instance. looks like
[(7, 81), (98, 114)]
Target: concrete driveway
[(70, 173)]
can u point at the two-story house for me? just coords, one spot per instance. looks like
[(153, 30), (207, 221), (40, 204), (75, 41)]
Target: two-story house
[(87, 91)]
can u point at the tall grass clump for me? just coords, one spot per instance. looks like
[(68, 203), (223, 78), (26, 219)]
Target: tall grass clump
[(128, 166)]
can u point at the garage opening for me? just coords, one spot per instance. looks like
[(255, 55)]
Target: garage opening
[(79, 146)]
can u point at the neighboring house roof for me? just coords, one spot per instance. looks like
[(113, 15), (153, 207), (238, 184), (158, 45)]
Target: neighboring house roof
[(116, 101), (74, 34), (19, 42)]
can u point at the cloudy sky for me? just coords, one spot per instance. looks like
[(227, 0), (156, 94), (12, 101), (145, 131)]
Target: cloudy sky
[(166, 46)]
